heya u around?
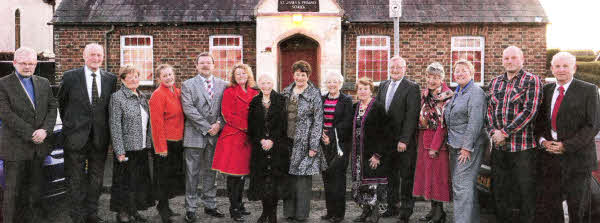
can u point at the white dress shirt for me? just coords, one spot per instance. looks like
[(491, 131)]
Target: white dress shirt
[(204, 80), (391, 92), (88, 81), (144, 125), (554, 97)]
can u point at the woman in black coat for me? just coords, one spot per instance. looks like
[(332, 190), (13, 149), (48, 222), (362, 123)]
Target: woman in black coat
[(269, 162), (336, 139), (369, 136)]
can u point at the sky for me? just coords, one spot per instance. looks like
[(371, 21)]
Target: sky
[(575, 24)]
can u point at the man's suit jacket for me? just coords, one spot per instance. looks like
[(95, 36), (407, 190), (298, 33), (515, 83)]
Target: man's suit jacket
[(20, 118), (577, 123), (403, 115), (76, 110), (200, 111)]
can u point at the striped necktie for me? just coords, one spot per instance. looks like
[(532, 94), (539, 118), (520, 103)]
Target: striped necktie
[(209, 88)]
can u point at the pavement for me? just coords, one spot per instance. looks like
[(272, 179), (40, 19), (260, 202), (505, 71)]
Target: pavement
[(58, 214)]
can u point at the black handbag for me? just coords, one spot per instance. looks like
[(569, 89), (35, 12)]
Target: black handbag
[(334, 154)]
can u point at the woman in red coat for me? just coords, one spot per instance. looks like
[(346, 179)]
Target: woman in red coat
[(432, 174), (232, 154)]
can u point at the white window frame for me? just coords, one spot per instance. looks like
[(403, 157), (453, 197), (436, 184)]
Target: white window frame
[(456, 48), (212, 47), (151, 46), (359, 48)]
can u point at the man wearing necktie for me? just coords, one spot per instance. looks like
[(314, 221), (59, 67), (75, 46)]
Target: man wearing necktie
[(83, 97), (402, 99), (569, 120), (28, 112), (201, 102)]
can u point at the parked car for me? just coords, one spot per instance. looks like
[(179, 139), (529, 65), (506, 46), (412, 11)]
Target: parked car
[(55, 185), (485, 179)]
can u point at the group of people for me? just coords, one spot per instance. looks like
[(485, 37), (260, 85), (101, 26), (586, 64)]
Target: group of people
[(401, 142)]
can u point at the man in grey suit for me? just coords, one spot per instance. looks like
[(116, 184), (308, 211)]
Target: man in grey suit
[(201, 100), (28, 112)]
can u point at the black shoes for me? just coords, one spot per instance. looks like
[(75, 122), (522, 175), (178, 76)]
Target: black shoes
[(190, 217), (214, 212), (391, 212), (94, 219), (137, 217), (363, 216), (123, 217), (236, 215), (326, 217), (336, 219)]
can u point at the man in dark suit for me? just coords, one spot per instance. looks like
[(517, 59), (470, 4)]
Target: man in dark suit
[(28, 112), (569, 120), (402, 100), (84, 96)]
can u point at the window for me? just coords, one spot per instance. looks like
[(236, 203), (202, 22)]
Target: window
[(137, 51), (470, 48), (372, 55), (227, 51)]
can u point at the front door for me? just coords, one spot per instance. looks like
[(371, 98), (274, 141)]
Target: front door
[(297, 47)]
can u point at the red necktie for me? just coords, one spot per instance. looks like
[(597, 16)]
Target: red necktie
[(559, 99)]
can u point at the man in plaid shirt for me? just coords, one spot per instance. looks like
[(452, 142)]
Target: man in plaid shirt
[(514, 100)]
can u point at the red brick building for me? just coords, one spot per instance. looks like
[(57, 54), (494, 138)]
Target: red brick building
[(352, 37)]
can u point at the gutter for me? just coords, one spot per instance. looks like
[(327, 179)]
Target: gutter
[(112, 28)]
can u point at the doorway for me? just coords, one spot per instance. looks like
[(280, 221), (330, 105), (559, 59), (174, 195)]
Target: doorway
[(292, 49)]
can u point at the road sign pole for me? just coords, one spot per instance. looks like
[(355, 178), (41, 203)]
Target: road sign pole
[(396, 36)]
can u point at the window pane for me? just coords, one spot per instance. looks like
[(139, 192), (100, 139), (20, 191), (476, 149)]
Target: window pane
[(137, 51), (376, 41)]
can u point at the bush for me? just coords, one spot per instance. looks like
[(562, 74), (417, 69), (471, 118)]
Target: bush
[(549, 54), (578, 53), (585, 58), (588, 77), (589, 67)]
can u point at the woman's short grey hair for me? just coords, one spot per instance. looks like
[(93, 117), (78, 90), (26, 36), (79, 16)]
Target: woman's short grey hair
[(335, 76), (436, 68), (466, 63)]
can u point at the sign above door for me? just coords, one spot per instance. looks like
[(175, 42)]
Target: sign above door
[(298, 6)]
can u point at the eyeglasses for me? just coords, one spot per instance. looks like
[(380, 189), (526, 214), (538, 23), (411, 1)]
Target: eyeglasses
[(27, 64)]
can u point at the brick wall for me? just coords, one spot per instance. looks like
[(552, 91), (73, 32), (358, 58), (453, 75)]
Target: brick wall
[(421, 45), (175, 45)]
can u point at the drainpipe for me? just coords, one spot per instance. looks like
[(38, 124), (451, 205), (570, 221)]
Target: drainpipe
[(112, 28)]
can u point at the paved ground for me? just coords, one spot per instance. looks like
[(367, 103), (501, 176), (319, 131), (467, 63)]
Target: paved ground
[(58, 213)]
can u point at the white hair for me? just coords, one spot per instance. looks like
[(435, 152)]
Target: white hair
[(398, 58), (263, 77), (337, 77), (572, 59), (89, 46), (436, 68), (23, 52)]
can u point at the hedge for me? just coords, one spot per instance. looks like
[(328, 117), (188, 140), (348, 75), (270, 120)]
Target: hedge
[(589, 67)]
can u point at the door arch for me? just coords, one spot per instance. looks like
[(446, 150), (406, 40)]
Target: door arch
[(294, 48)]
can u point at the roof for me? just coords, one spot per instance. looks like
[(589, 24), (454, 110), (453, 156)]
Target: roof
[(202, 11), (448, 11), (153, 11)]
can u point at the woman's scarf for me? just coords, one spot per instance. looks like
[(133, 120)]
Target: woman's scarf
[(433, 104)]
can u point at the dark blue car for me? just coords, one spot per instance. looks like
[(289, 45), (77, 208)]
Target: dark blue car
[(55, 185)]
